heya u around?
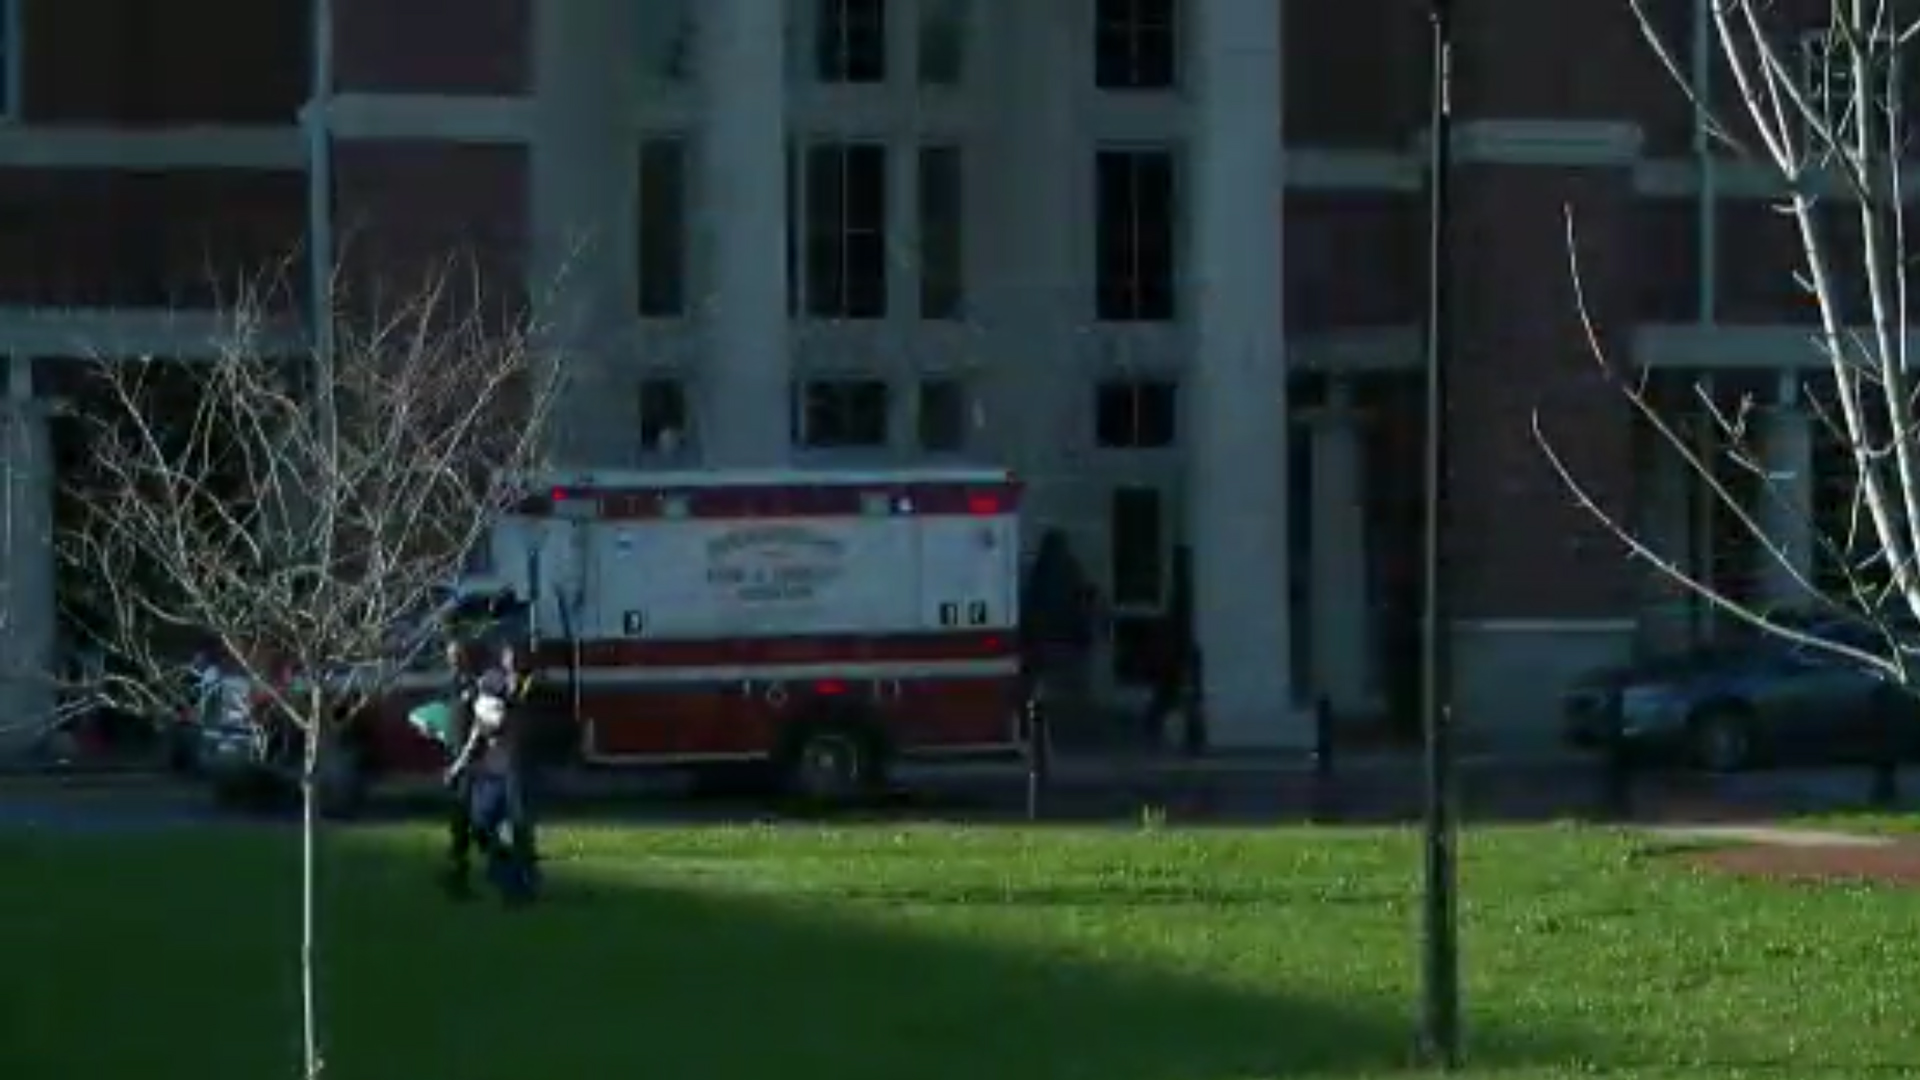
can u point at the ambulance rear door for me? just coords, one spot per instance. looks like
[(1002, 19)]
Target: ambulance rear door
[(970, 566)]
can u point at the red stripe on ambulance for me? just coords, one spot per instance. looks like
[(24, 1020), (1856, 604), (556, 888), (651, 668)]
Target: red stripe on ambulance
[(751, 502), (816, 649), (734, 720)]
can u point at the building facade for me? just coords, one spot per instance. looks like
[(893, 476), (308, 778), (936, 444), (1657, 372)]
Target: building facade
[(1163, 257)]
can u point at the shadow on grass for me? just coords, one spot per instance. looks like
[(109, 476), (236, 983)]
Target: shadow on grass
[(173, 958)]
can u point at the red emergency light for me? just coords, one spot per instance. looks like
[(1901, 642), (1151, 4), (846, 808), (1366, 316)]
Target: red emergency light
[(559, 494), (983, 505), (829, 688)]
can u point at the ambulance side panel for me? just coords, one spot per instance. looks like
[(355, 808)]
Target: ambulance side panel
[(731, 579), (701, 625)]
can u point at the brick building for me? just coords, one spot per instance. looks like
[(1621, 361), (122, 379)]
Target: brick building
[(1165, 257)]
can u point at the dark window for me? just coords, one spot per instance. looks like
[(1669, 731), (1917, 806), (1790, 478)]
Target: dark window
[(846, 231), (942, 415), (796, 228), (851, 41), (1136, 647), (1135, 235), (943, 37), (666, 31), (831, 414), (663, 415), (1136, 44), (663, 227), (1827, 61), (10, 49), (1138, 558), (1135, 414), (942, 250)]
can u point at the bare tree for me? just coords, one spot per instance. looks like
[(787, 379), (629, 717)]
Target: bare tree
[(289, 512), (1823, 112), (1821, 108)]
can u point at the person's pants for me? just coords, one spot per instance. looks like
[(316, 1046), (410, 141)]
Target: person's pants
[(460, 833), (1065, 680), (498, 822)]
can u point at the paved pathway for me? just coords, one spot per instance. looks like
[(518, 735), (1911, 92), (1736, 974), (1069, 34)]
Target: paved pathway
[(1779, 836)]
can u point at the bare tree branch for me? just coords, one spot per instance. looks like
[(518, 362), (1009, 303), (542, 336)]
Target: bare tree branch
[(293, 515), (1834, 113)]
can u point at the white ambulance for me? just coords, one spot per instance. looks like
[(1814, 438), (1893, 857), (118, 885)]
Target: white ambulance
[(817, 623)]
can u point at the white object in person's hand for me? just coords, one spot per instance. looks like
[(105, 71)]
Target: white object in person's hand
[(489, 712)]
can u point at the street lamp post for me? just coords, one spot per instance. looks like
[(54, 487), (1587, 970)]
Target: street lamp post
[(1440, 969)]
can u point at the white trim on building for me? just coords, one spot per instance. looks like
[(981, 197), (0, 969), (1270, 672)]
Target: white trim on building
[(114, 333), (62, 146)]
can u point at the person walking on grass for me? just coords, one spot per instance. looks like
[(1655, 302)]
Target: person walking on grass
[(489, 776), (463, 686)]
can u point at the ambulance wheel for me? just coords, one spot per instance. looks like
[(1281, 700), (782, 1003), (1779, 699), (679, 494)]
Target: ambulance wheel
[(832, 763)]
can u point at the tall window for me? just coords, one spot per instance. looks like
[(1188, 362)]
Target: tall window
[(850, 41), (846, 230), (1827, 76), (1138, 555), (1136, 44), (841, 413), (943, 38), (10, 50), (665, 30), (664, 416), (663, 227), (1137, 563), (943, 411), (1135, 204), (1135, 414), (942, 251)]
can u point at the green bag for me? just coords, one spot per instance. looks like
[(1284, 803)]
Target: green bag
[(434, 719)]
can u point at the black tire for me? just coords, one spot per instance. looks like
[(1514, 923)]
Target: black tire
[(833, 762), (1720, 739)]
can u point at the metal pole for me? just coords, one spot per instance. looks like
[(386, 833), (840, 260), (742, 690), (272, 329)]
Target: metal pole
[(317, 119), (1440, 1014)]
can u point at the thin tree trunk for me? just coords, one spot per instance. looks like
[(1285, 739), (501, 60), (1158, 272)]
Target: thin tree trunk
[(309, 827)]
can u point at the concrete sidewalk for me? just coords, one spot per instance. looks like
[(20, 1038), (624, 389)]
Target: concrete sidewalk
[(1778, 836)]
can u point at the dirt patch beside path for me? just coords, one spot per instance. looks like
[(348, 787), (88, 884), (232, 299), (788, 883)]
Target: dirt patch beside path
[(1896, 862)]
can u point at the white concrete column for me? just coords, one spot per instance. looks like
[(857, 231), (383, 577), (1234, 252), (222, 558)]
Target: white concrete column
[(1238, 400), (1341, 633), (1027, 177), (744, 373), (583, 175), (28, 610), (1786, 501)]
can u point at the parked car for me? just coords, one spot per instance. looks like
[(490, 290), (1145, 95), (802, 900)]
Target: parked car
[(248, 750), (1757, 699)]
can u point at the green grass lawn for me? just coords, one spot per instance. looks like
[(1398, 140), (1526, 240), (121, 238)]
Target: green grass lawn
[(928, 953)]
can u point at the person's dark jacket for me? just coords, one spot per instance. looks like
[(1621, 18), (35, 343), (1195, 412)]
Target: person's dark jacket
[(1055, 611), (511, 739)]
